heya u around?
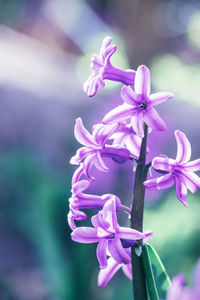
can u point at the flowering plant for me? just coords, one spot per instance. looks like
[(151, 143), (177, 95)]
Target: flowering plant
[(122, 136)]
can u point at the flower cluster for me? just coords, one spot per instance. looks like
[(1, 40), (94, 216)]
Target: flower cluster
[(119, 136)]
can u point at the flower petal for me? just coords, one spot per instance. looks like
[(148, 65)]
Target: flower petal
[(91, 85), (118, 252), (85, 235), (80, 186), (77, 174), (129, 96), (193, 165), (127, 269), (163, 163), (109, 214), (82, 135), (120, 113), (118, 154), (153, 120), (159, 98), (192, 181), (102, 133), (106, 274), (142, 81), (87, 165), (163, 182), (181, 190), (81, 153), (129, 233), (101, 253), (137, 124), (133, 144), (183, 147), (99, 163), (99, 223)]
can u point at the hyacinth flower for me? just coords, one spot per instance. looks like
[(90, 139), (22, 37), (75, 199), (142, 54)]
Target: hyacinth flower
[(95, 148), (126, 137), (106, 274), (80, 200), (103, 69), (139, 105), (179, 170), (108, 234), (178, 290)]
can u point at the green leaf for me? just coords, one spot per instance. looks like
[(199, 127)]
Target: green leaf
[(160, 276), (151, 285)]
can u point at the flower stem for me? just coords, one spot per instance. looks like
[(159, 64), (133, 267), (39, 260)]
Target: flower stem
[(139, 282)]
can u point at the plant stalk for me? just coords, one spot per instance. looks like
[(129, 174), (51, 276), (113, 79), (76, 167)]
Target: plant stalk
[(137, 210)]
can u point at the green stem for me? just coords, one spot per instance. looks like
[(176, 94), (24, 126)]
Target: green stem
[(151, 285), (137, 210)]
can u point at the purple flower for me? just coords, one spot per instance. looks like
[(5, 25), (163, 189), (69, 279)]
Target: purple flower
[(80, 200), (106, 274), (103, 69), (95, 147), (178, 290), (108, 234), (179, 170), (139, 105), (126, 137)]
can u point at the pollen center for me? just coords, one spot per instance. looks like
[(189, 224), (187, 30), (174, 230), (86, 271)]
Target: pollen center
[(143, 105)]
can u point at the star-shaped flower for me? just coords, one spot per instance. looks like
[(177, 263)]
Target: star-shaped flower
[(96, 148), (139, 105), (107, 233), (179, 170), (103, 69)]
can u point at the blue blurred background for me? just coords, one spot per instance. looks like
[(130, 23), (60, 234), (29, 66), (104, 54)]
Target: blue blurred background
[(45, 50)]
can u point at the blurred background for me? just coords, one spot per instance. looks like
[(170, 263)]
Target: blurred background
[(45, 51)]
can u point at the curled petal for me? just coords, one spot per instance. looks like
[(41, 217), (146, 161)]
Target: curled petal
[(87, 166), (81, 153), (91, 85), (191, 180), (153, 120), (183, 147), (75, 215), (159, 98), (181, 190), (133, 144), (129, 233), (82, 135), (163, 182), (103, 132), (85, 235), (163, 163), (193, 165), (101, 253), (77, 174), (118, 154), (105, 275), (120, 113), (137, 124), (127, 269), (80, 186), (129, 96), (99, 223), (118, 252), (109, 214), (99, 163), (142, 81)]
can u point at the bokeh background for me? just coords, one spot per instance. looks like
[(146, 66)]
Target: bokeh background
[(45, 50)]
